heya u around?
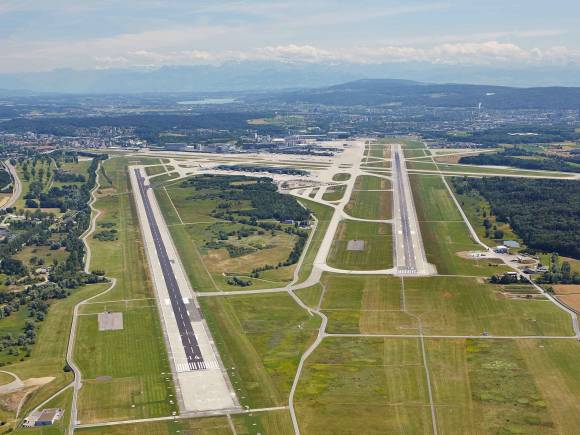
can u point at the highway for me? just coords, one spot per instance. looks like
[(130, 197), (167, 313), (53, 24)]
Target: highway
[(16, 185), (182, 314)]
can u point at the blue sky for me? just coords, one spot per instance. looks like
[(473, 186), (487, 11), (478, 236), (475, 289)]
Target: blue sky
[(39, 35)]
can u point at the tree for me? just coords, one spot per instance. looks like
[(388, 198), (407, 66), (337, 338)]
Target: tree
[(498, 234)]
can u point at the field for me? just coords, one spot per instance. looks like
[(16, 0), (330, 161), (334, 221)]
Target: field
[(367, 182), (445, 305), (342, 176), (118, 382), (260, 339), (323, 215), (444, 234), (371, 383), (370, 205), (334, 193), (505, 386), (377, 252)]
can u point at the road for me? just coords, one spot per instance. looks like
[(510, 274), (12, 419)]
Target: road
[(17, 185)]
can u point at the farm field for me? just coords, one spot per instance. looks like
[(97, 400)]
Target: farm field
[(376, 252), (370, 205)]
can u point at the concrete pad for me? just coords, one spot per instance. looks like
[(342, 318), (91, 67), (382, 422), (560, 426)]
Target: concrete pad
[(110, 321)]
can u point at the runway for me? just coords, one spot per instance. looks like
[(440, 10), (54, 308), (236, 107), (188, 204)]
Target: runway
[(201, 381), (188, 338), (408, 245)]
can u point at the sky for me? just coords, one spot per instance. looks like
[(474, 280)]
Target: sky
[(42, 35)]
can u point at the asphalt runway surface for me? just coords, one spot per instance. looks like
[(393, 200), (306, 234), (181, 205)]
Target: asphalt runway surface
[(188, 338), (410, 265)]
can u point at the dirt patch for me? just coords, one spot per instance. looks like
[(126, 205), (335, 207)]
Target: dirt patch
[(472, 255), (103, 378), (11, 401), (569, 294)]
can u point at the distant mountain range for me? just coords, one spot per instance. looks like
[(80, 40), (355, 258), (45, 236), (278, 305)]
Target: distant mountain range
[(383, 92), (268, 76)]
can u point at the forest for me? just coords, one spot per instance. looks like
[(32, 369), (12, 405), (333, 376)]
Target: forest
[(544, 213), (521, 158)]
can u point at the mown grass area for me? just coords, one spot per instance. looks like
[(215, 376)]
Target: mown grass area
[(432, 199), (421, 165), (368, 182), (197, 426), (505, 386), (260, 339), (497, 171), (154, 170), (273, 422), (334, 193), (365, 304), (446, 306), (341, 176), (444, 235), (377, 252), (140, 386), (161, 179), (310, 295), (323, 215), (364, 385), (370, 205), (414, 152), (466, 306), (407, 142)]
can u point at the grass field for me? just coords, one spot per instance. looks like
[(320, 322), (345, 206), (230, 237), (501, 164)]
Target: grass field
[(334, 193), (444, 233), (507, 386), (197, 426), (370, 205), (155, 170), (445, 305), (367, 182), (364, 385), (341, 176), (139, 387), (378, 246), (260, 339), (323, 214)]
